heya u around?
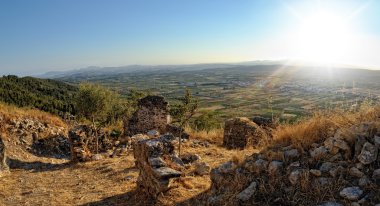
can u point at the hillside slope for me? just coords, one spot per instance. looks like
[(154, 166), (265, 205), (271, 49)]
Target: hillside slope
[(45, 94)]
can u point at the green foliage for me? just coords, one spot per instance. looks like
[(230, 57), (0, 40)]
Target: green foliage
[(206, 121), (44, 94), (186, 109), (99, 104)]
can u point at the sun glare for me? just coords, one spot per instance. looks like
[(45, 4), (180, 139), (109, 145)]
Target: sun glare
[(322, 38)]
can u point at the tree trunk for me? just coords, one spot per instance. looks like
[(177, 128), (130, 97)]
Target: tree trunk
[(96, 135)]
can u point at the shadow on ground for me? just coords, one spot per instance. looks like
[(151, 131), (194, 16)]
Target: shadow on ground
[(135, 197), (36, 166)]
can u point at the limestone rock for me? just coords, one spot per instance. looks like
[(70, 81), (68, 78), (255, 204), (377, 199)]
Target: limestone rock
[(319, 152), (248, 192), (291, 154), (221, 175), (315, 172), (376, 174), (275, 167), (153, 133), (326, 166), (355, 172), (190, 158), (364, 181), (241, 132), (351, 193), (368, 153), (295, 176)]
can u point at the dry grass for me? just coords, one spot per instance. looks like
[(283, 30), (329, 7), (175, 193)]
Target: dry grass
[(213, 136), (321, 126), (12, 112)]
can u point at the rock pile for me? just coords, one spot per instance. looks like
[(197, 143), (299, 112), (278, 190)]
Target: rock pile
[(57, 147), (85, 141), (241, 132), (152, 114), (3, 164), (157, 163), (346, 164)]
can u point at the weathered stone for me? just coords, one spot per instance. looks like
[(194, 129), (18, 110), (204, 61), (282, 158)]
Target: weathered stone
[(319, 152), (153, 157), (260, 165), (324, 181), (359, 143), (315, 172), (248, 192), (3, 164), (275, 167), (351, 193), (294, 176), (153, 133), (97, 157), (368, 153), (364, 181), (52, 146), (152, 114), (291, 154), (241, 132), (336, 171), (326, 166), (376, 174), (355, 172), (202, 168), (176, 131), (190, 158), (377, 141)]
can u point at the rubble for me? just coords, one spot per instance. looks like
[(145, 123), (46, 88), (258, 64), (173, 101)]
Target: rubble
[(85, 141)]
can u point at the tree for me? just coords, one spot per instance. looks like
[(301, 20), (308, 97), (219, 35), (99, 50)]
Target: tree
[(96, 103), (183, 112)]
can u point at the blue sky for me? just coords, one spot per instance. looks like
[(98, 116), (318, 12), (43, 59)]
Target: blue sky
[(45, 35)]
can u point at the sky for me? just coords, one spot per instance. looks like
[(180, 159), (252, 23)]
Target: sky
[(44, 35)]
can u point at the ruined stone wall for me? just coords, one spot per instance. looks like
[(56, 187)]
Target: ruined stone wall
[(152, 114), (241, 132), (83, 142), (155, 159)]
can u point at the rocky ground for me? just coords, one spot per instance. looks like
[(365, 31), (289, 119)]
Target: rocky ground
[(50, 179)]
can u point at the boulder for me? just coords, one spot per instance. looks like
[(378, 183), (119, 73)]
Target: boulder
[(351, 193), (241, 132), (190, 158), (355, 172), (152, 114), (319, 152)]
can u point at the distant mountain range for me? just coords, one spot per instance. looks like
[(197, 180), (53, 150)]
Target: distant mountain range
[(98, 71)]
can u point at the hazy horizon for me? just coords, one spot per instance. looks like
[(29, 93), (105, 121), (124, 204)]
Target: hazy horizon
[(41, 36)]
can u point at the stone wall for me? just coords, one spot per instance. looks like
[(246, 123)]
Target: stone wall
[(155, 160), (152, 114), (241, 132)]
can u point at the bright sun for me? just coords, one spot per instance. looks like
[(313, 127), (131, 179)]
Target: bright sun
[(322, 38)]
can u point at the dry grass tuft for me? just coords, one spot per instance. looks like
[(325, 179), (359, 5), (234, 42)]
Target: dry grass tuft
[(321, 126), (213, 136)]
